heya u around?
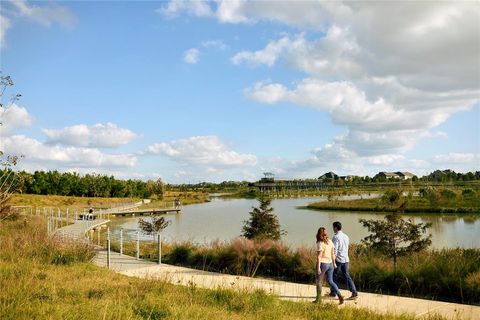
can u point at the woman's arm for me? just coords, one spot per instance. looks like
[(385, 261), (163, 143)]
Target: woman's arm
[(319, 253)]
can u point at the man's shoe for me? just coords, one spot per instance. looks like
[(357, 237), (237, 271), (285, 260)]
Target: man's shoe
[(353, 297), (340, 299)]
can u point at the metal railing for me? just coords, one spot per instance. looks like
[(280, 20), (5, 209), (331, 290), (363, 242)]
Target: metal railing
[(129, 242)]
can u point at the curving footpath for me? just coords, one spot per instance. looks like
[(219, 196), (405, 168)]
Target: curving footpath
[(132, 267), (420, 308), (80, 227)]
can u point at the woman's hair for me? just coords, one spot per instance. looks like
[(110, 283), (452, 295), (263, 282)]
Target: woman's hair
[(322, 235)]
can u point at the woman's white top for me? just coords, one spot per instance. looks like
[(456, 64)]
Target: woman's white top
[(324, 251)]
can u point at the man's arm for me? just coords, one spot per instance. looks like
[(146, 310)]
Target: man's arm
[(335, 245)]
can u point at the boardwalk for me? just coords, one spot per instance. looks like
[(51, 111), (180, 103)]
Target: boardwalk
[(147, 211), (80, 227), (129, 266)]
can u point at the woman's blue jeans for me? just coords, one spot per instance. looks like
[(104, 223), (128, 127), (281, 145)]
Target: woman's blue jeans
[(326, 269)]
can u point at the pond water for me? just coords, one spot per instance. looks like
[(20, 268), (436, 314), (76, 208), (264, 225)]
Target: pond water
[(223, 220)]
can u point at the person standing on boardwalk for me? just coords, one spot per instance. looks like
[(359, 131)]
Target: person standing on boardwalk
[(341, 243), (325, 264)]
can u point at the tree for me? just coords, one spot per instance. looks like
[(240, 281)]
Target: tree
[(263, 223), (396, 237), (154, 226), (155, 189), (8, 177)]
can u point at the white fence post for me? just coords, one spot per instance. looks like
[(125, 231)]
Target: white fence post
[(108, 247), (159, 249), (138, 245), (121, 242)]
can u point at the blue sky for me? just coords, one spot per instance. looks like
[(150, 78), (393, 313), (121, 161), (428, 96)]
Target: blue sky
[(193, 91)]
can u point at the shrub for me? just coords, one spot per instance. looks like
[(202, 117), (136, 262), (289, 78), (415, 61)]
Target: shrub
[(392, 197), (448, 194), (180, 254), (468, 192)]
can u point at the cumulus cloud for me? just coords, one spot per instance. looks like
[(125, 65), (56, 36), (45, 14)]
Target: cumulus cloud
[(4, 26), (38, 152), (458, 158), (202, 150), (390, 73), (192, 7), (14, 117), (45, 15), (268, 55), (191, 56), (99, 135), (217, 44), (311, 14), (374, 127)]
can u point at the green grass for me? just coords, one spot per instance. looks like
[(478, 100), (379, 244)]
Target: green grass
[(41, 280)]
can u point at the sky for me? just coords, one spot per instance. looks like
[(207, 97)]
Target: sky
[(192, 91)]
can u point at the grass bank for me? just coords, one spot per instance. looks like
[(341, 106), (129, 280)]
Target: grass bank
[(448, 275), (42, 280), (443, 200), (187, 197)]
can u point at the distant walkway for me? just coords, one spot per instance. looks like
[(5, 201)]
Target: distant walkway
[(420, 308), (80, 227)]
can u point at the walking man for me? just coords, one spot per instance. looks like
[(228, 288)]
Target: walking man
[(341, 242)]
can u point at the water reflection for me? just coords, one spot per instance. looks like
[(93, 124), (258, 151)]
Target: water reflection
[(223, 220)]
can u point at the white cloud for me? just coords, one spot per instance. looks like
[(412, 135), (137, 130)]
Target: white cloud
[(458, 158), (99, 135), (218, 44), (231, 11), (4, 26), (14, 117), (191, 56), (197, 8), (202, 150), (54, 155), (311, 14), (45, 15), (267, 56)]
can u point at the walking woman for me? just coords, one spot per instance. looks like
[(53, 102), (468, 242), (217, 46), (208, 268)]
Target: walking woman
[(325, 264)]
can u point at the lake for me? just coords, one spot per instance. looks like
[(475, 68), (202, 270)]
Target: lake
[(223, 220)]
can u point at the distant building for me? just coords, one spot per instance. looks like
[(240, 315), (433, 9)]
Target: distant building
[(402, 175), (329, 175), (405, 175)]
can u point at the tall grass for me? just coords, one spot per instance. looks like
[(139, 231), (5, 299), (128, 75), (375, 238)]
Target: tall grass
[(38, 283)]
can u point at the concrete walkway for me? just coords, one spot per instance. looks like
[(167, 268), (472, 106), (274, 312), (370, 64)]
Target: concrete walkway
[(80, 227), (286, 290)]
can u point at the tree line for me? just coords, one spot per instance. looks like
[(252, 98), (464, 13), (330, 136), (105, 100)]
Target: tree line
[(89, 185)]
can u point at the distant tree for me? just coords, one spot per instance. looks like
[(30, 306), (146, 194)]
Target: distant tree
[(153, 226), (155, 188), (392, 197), (396, 237), (263, 223)]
